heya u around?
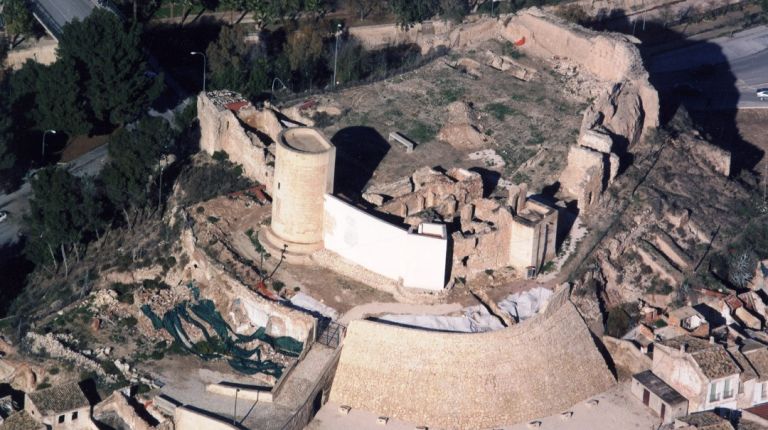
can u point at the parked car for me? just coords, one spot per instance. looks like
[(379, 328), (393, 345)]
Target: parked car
[(3, 216), (762, 93)]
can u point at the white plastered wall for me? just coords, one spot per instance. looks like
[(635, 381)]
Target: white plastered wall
[(419, 260)]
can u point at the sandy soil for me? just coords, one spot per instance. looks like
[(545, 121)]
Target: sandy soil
[(79, 145)]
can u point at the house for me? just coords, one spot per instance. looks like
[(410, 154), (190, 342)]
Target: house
[(753, 359), (21, 421), (701, 371), (690, 321), (60, 407), (702, 421), (667, 403)]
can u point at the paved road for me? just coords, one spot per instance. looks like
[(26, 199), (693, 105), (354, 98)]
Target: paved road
[(62, 11), (17, 202), (740, 67)]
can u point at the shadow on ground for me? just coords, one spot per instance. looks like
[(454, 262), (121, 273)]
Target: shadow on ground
[(704, 87), (359, 151)]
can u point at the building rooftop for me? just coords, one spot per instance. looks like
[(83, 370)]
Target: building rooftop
[(659, 388), (21, 421), (759, 410), (58, 399), (686, 312), (758, 358), (305, 139), (706, 421), (713, 360), (225, 99)]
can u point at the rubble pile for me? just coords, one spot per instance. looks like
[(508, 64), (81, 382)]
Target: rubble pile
[(427, 189), (49, 344), (461, 130)]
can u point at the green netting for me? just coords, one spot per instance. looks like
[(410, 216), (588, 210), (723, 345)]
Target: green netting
[(226, 342)]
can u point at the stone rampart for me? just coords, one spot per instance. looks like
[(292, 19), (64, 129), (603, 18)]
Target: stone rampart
[(468, 381)]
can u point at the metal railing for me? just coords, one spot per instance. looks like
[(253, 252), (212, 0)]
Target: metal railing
[(46, 20), (330, 334)]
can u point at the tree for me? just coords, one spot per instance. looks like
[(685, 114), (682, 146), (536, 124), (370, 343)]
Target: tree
[(409, 12), (259, 78), (134, 157), (263, 11), (304, 49), (6, 137), (365, 7), (226, 59), (454, 10), (117, 81), (17, 18), (59, 103), (55, 220), (351, 62)]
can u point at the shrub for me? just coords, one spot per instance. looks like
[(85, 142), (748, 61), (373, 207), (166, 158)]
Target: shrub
[(220, 156), (499, 110)]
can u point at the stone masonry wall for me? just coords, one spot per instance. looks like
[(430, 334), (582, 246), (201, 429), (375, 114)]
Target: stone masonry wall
[(468, 381)]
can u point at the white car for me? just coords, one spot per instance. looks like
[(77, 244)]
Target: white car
[(762, 93), (3, 216)]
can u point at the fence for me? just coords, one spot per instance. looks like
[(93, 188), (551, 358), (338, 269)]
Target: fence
[(295, 97), (330, 334)]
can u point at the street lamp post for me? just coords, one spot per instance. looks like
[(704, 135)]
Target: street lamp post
[(45, 134), (234, 419), (336, 53), (205, 64)]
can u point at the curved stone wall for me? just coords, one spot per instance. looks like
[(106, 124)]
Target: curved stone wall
[(468, 381)]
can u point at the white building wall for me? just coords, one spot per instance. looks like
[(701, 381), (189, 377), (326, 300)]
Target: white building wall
[(419, 260)]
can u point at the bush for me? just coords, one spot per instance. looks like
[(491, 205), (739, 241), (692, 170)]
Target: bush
[(206, 181), (421, 132), (618, 322), (220, 156), (499, 110)]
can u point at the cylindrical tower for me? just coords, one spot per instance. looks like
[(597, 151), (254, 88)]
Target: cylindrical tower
[(304, 172)]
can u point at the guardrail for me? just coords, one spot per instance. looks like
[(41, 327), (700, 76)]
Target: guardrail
[(46, 20)]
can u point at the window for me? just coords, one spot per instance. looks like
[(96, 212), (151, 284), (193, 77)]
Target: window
[(713, 396), (61, 419), (727, 390), (74, 415)]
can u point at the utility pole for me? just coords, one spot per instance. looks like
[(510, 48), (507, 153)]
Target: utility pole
[(336, 53), (205, 64), (45, 134)]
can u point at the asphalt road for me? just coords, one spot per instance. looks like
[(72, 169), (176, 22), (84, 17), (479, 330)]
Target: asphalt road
[(740, 67), (64, 11), (17, 202)]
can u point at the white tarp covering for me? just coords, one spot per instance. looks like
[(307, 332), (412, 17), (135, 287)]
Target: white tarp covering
[(309, 303), (522, 306), (477, 318)]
